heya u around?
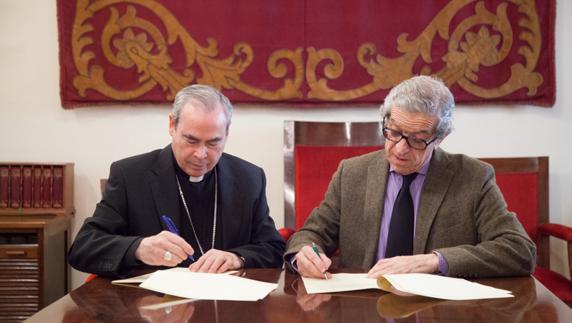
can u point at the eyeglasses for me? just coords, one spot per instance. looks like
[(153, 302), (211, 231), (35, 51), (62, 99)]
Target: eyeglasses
[(413, 142)]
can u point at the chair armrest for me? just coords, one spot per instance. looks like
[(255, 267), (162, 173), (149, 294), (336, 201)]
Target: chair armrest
[(559, 231), (556, 230), (90, 278)]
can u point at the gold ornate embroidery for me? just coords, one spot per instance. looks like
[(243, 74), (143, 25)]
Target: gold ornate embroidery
[(128, 41), (151, 58), (462, 60)]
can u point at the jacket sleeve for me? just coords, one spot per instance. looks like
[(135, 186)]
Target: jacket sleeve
[(103, 245), (503, 248), (263, 247)]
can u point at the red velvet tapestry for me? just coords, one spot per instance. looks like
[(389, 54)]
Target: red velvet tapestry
[(144, 51)]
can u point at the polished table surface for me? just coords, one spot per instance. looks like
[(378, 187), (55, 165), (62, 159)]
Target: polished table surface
[(100, 301)]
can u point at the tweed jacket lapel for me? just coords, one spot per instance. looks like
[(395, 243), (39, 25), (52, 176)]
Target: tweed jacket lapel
[(164, 187), (435, 187), (374, 199)]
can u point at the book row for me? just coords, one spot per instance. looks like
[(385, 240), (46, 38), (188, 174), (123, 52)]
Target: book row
[(31, 186)]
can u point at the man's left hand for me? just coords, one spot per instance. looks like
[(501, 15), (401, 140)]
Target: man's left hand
[(428, 264), (216, 261)]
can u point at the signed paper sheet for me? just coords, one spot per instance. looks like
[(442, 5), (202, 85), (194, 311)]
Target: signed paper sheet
[(418, 284), (187, 284)]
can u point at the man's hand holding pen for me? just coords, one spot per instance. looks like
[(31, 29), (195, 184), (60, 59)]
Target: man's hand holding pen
[(313, 263), (168, 249), (163, 249), (152, 251)]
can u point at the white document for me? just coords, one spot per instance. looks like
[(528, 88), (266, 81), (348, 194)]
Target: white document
[(136, 280), (419, 284), (187, 284), (339, 283), (444, 287)]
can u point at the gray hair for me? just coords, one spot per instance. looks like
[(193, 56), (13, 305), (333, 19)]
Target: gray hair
[(208, 96), (425, 94)]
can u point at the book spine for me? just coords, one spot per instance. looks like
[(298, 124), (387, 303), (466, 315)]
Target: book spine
[(4, 186), (37, 187), (58, 187), (16, 187), (47, 187), (27, 186)]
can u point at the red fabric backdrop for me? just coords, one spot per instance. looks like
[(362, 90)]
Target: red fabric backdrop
[(135, 51)]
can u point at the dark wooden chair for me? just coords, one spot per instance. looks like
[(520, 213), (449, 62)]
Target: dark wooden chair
[(313, 150), (524, 184), (102, 185)]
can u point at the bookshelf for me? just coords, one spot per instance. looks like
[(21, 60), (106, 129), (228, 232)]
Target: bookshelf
[(36, 188), (36, 207)]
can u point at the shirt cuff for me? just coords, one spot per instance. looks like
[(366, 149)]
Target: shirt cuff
[(240, 257), (291, 259), (129, 259), (443, 266)]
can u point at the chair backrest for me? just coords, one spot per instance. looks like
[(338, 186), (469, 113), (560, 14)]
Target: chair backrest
[(524, 184), (312, 152), (102, 185)]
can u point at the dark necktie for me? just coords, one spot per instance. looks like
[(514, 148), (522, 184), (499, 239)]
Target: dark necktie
[(400, 237)]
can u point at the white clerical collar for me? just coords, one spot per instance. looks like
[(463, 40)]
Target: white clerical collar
[(194, 179)]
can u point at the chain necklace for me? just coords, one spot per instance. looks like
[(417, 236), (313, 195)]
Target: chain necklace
[(189, 213)]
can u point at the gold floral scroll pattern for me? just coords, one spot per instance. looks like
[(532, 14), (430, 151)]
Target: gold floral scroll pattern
[(465, 54), (152, 60), (125, 45)]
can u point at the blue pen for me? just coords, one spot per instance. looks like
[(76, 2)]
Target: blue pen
[(173, 229)]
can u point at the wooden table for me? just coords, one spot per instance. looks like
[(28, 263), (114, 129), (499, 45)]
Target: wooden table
[(100, 301)]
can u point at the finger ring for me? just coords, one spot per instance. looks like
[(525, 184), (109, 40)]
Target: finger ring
[(167, 256)]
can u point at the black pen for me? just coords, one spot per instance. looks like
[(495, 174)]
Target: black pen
[(173, 229), (315, 248)]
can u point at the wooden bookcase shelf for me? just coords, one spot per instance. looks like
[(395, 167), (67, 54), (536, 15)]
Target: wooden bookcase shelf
[(35, 215)]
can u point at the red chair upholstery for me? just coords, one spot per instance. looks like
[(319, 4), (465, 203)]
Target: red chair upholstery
[(524, 184), (312, 153), (314, 164), (286, 233), (90, 278)]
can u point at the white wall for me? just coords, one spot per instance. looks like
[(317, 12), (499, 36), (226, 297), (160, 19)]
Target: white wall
[(34, 127)]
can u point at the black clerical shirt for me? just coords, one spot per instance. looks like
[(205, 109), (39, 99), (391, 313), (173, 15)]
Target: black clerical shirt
[(200, 201)]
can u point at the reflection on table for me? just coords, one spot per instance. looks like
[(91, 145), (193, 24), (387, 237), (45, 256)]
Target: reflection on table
[(101, 301)]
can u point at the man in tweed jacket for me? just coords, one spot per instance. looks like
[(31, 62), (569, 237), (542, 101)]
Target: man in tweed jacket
[(461, 223)]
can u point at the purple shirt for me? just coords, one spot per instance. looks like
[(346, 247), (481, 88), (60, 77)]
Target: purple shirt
[(394, 182)]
